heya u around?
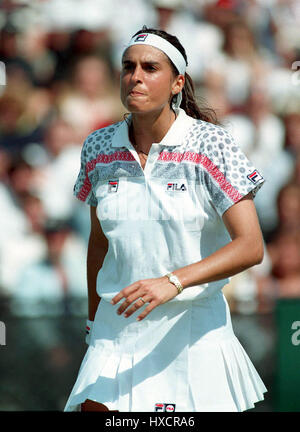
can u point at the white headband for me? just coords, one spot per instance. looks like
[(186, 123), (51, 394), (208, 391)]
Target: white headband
[(162, 44)]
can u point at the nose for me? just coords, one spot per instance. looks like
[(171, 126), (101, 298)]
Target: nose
[(137, 74)]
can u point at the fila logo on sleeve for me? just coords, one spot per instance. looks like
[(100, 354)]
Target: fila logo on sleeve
[(164, 407), (254, 177)]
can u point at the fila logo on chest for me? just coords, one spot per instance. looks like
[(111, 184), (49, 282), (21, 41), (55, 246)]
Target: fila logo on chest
[(113, 185), (176, 187)]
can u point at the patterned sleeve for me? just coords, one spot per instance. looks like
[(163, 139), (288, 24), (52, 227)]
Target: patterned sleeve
[(83, 189), (228, 175)]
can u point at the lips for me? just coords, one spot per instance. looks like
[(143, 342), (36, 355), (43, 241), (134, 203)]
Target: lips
[(135, 93)]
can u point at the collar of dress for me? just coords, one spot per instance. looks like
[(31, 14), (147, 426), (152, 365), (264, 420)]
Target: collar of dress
[(173, 137)]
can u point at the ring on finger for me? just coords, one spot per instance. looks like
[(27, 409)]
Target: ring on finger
[(141, 298)]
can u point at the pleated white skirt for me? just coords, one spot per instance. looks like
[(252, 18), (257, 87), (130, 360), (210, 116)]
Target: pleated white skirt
[(184, 353)]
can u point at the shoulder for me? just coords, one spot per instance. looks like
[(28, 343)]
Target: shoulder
[(99, 141), (211, 132), (211, 139), (103, 134)]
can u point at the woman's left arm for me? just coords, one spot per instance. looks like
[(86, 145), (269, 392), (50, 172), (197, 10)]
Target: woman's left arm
[(245, 250)]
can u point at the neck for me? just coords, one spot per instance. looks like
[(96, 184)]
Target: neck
[(148, 128)]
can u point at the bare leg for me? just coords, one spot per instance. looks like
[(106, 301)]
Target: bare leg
[(90, 405)]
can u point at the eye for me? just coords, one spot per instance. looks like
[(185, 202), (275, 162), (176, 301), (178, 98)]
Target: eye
[(127, 66), (150, 68)]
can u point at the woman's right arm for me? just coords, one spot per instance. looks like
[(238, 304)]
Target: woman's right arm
[(97, 248)]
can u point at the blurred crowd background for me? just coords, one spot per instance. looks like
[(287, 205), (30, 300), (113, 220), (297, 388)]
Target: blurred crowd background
[(59, 81)]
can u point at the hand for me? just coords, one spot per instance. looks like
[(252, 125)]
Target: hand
[(154, 291)]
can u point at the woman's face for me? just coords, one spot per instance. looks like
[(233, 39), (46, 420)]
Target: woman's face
[(147, 79)]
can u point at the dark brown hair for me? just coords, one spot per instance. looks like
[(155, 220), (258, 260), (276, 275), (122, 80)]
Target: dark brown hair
[(188, 102)]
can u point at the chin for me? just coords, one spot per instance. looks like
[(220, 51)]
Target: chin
[(136, 108), (136, 104)]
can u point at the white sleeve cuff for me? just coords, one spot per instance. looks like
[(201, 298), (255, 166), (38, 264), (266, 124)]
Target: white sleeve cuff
[(88, 330)]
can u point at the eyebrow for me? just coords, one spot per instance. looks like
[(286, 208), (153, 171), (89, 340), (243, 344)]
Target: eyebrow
[(144, 62)]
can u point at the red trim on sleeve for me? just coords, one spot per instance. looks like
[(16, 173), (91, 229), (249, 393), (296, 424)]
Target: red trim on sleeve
[(103, 159), (209, 166)]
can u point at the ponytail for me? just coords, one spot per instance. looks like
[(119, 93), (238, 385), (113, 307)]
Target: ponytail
[(190, 105)]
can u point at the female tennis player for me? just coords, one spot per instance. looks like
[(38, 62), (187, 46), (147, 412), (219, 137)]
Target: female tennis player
[(172, 218)]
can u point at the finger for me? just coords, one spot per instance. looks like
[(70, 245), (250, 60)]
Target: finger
[(124, 293), (139, 303), (129, 300), (123, 306), (152, 305)]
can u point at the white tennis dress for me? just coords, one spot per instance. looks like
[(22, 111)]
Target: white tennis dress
[(184, 356)]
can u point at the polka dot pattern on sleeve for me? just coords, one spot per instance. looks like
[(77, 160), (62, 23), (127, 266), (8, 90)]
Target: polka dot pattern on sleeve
[(96, 143), (228, 174)]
